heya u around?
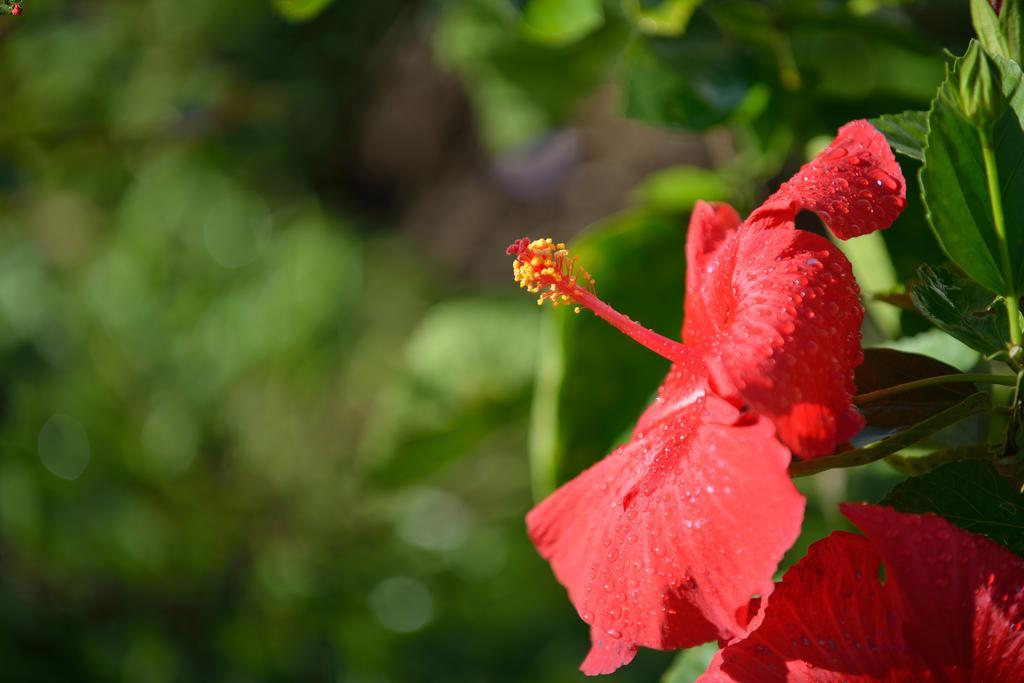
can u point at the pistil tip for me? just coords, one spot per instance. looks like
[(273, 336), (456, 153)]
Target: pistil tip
[(518, 247), (546, 265)]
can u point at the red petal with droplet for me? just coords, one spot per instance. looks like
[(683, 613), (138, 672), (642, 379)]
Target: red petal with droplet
[(778, 315), (711, 226), (855, 186), (828, 620), (952, 609), (662, 543), (961, 595)]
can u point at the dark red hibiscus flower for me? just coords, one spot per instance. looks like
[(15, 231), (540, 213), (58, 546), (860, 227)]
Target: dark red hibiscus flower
[(663, 543), (951, 608)]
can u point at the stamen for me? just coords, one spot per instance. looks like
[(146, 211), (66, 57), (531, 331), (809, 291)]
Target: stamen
[(545, 268)]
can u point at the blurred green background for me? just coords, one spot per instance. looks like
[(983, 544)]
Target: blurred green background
[(271, 407)]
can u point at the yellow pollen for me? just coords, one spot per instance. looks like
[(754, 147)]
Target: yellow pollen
[(545, 268)]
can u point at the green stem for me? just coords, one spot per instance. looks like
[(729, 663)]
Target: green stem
[(988, 152), (973, 405), (979, 378), (1015, 415), (916, 465)]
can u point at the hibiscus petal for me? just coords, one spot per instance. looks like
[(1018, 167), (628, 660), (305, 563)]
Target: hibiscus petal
[(961, 595), (951, 609), (779, 322), (711, 223), (829, 620), (662, 543), (855, 186)]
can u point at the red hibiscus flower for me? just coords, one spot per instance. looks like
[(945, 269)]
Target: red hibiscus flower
[(664, 542), (951, 608)]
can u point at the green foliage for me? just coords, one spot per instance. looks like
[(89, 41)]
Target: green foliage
[(875, 272), (771, 72), (522, 88), (675, 190), (907, 133), (469, 370), (560, 22), (243, 440), (687, 84), (972, 495), (301, 10), (961, 308), (663, 17), (955, 192), (977, 91), (1000, 34), (690, 664)]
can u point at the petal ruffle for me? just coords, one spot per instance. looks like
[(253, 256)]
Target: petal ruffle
[(855, 186), (711, 224), (960, 595), (662, 543), (779, 321), (828, 620), (951, 609)]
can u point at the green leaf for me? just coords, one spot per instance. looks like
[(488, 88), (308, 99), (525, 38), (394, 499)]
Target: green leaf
[(883, 368), (593, 381), (1000, 34), (974, 405), (907, 132), (972, 495), (1012, 19), (954, 184), (560, 22), (1009, 143), (955, 190), (1012, 85), (665, 18), (690, 664), (300, 10), (693, 84), (676, 189), (469, 365), (939, 345), (473, 351), (871, 63), (987, 26), (962, 309), (520, 89), (874, 270)]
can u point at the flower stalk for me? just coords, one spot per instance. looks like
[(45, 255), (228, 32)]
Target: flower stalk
[(976, 404), (1010, 296), (976, 378)]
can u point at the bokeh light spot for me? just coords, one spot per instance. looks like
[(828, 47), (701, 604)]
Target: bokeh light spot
[(434, 519), (64, 447), (402, 604)]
